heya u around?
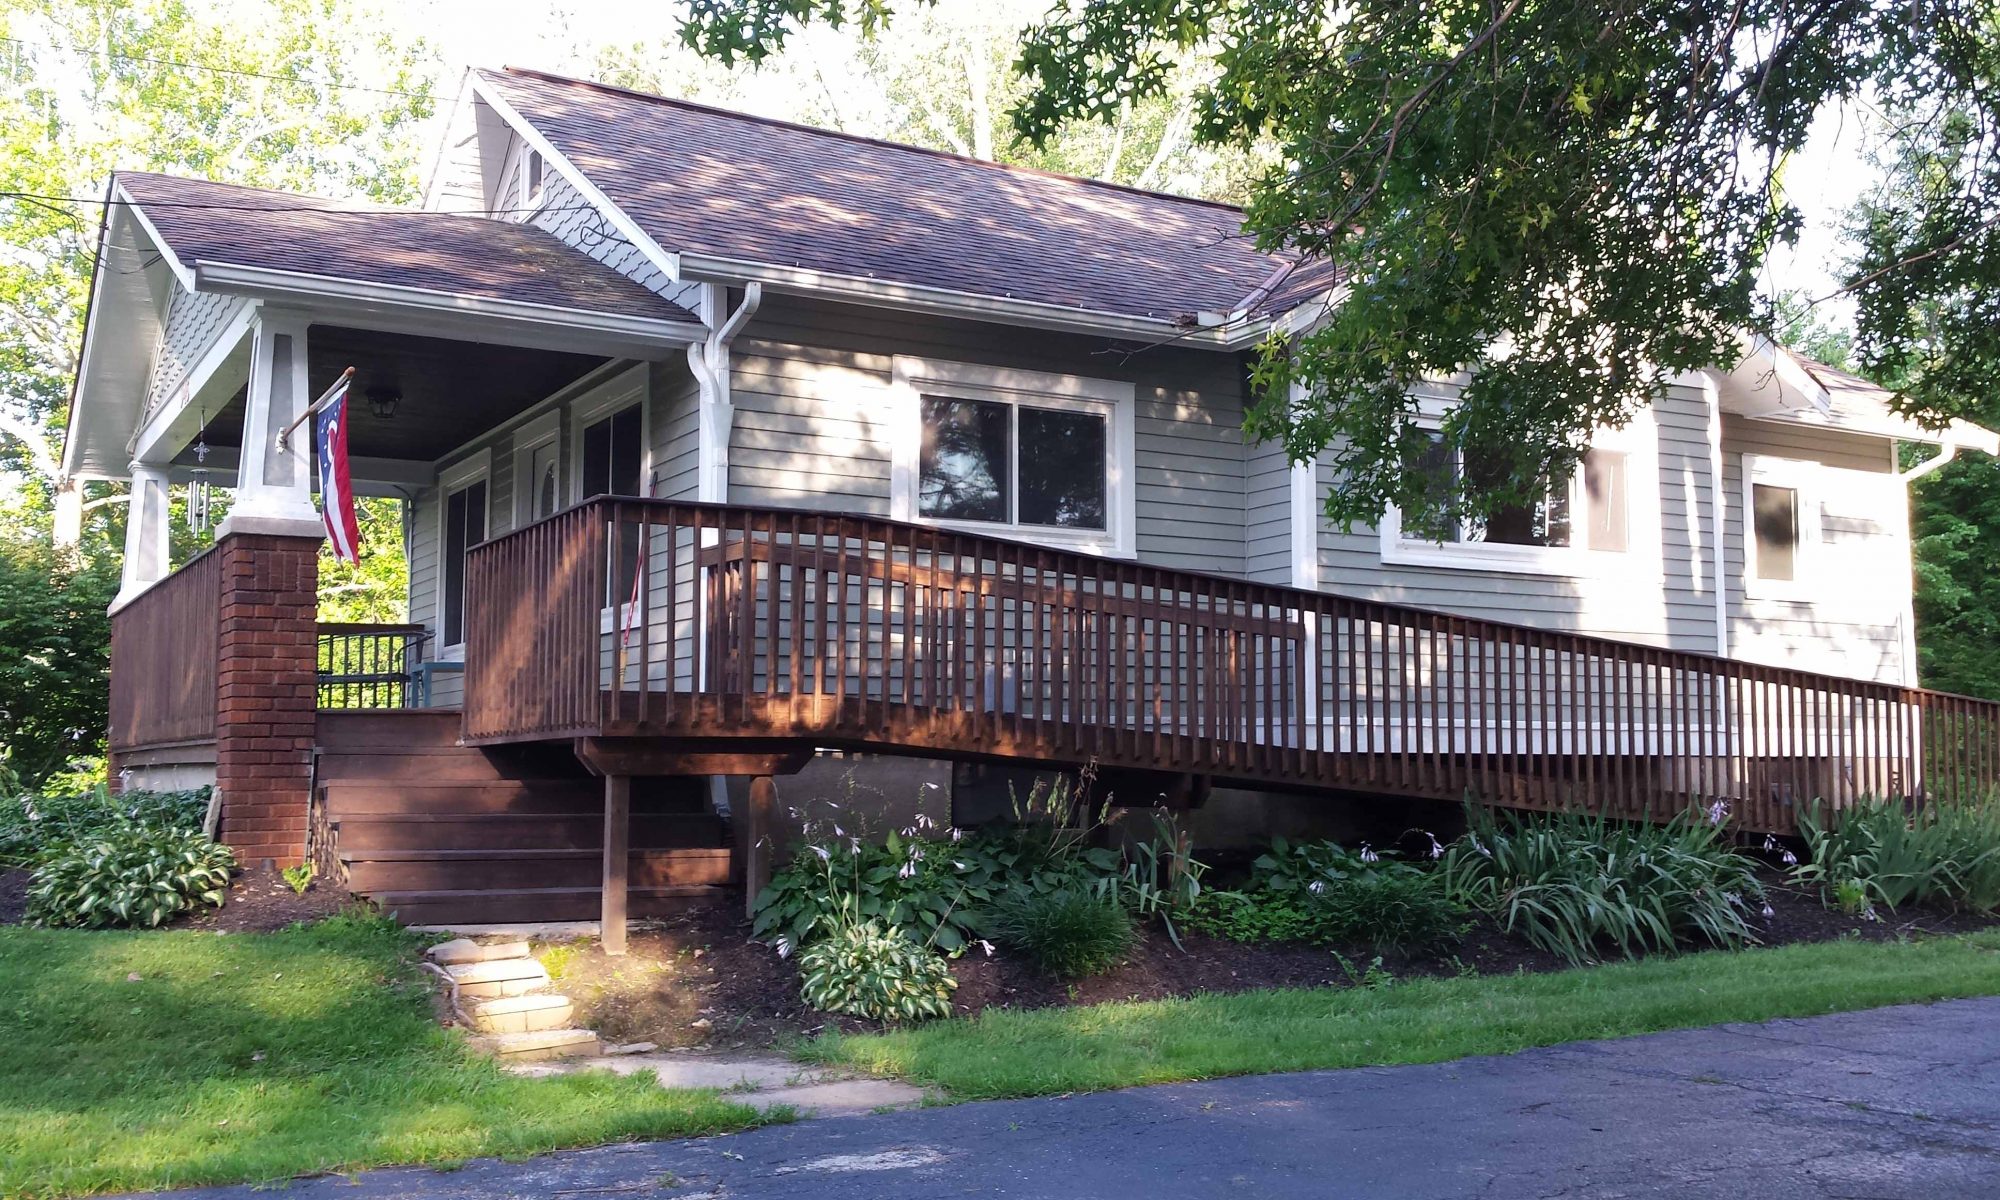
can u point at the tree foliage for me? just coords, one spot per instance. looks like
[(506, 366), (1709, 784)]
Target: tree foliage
[(1569, 201), (53, 638)]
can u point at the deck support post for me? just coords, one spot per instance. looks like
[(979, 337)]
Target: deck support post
[(753, 837), (617, 861)]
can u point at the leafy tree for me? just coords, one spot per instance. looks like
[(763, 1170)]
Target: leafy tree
[(53, 636), (1572, 200), (1955, 515)]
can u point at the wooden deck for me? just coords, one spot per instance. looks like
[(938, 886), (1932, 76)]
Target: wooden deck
[(708, 626)]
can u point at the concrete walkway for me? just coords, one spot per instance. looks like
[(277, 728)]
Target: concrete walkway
[(1881, 1105)]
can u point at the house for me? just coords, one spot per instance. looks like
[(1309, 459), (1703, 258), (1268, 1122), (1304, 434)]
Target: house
[(731, 445)]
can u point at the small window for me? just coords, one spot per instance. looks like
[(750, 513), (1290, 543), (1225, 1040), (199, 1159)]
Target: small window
[(531, 178), (541, 481), (1605, 501), (987, 460), (1775, 520), (464, 528)]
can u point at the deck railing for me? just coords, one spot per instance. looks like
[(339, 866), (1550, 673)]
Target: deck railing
[(369, 665), (163, 652), (855, 631)]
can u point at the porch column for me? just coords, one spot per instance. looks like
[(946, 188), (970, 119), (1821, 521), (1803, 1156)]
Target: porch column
[(146, 525), (753, 835), (265, 688)]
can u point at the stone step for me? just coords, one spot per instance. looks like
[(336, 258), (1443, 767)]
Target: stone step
[(521, 1014), (500, 977), (536, 1046), (458, 951)]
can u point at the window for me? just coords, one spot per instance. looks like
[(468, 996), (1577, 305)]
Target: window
[(1781, 530), (614, 464), (532, 169), (464, 528), (537, 469), (1589, 512), (1019, 453)]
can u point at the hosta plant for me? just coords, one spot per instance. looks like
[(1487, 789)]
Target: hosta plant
[(134, 874), (867, 969)]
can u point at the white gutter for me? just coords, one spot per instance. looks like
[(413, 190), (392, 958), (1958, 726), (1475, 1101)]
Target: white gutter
[(1718, 513), (1948, 451), (709, 361), (564, 323), (948, 303)]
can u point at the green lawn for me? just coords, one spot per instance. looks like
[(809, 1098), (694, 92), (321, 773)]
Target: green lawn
[(259, 1056), (1051, 1051)]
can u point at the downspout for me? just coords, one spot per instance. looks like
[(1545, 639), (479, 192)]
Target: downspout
[(1907, 618), (708, 359)]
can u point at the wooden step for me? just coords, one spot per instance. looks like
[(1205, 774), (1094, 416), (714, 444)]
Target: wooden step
[(521, 1014), (410, 765), (533, 1047), (346, 797), (468, 907), (363, 729), (371, 871), (519, 831)]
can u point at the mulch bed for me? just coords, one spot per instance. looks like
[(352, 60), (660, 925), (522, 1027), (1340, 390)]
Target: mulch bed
[(13, 895), (696, 981)]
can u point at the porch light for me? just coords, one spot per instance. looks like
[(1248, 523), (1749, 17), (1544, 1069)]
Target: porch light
[(382, 401)]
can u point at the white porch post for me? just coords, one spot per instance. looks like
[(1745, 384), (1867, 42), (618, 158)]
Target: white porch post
[(146, 525), (274, 486)]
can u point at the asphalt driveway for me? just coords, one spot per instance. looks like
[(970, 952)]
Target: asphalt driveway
[(1879, 1105)]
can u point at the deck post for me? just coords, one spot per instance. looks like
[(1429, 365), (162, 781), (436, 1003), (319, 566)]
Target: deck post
[(617, 861), (753, 837)]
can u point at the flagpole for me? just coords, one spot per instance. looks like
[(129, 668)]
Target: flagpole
[(285, 434)]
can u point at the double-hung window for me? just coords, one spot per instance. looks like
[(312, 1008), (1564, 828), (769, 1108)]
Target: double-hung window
[(1554, 532), (463, 515), (1781, 527), (1019, 453)]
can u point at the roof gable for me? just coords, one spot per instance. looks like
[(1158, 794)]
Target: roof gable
[(704, 181)]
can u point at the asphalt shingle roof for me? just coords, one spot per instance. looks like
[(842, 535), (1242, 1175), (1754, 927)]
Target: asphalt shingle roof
[(702, 180), (458, 255)]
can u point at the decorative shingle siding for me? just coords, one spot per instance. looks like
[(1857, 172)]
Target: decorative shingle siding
[(194, 321), (574, 221)]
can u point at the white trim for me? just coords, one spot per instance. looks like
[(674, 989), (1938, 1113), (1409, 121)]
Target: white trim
[(544, 430), (1305, 526), (1638, 441), (1807, 480), (147, 442), (1718, 516), (653, 251), (911, 297), (474, 468), (167, 255), (1116, 401), (1906, 611), (632, 336)]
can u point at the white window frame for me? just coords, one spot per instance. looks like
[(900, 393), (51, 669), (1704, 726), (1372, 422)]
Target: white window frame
[(531, 194), (619, 392), (462, 474), (1807, 479), (1637, 441), (1115, 401), (542, 431)]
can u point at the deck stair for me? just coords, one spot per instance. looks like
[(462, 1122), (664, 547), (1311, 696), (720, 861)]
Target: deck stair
[(444, 834), (502, 991)]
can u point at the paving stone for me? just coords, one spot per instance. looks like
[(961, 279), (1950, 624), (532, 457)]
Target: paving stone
[(522, 1014), (543, 1044), (840, 1097), (465, 950)]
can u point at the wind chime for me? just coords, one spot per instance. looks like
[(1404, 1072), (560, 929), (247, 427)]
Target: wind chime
[(198, 486)]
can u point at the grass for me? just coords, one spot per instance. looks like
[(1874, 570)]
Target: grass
[(1058, 1050), (253, 1057)]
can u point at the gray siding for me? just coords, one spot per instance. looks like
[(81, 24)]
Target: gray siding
[(1855, 623), (811, 386), (1267, 514), (1664, 600)]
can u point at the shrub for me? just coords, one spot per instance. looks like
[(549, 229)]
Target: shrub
[(1254, 917), (1881, 852), (1393, 906), (867, 969), (135, 874), (1321, 892), (1572, 884), (34, 827), (1070, 934)]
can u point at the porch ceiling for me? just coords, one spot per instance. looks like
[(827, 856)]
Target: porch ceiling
[(451, 390)]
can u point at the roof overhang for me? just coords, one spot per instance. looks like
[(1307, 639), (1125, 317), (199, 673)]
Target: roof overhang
[(1773, 384), (399, 309), (128, 295)]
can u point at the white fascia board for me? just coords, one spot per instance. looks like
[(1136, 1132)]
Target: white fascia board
[(72, 426), (174, 264), (555, 158), (149, 443), (627, 335), (912, 297)]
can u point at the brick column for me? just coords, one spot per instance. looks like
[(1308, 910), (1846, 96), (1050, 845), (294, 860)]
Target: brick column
[(265, 693)]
